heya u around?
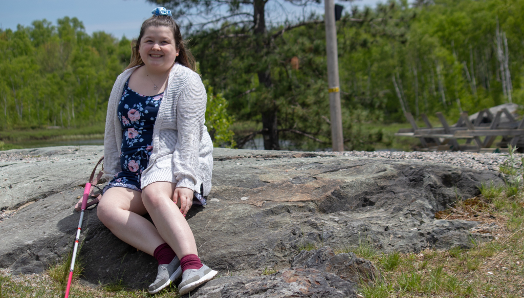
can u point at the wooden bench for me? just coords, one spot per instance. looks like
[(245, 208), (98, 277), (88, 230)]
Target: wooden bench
[(445, 137)]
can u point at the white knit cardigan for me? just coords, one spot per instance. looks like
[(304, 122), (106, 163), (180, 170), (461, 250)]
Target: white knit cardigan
[(182, 147)]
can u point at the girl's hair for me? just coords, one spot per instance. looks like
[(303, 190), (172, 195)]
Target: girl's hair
[(184, 55)]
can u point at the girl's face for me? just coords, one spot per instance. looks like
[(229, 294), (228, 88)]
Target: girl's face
[(157, 48)]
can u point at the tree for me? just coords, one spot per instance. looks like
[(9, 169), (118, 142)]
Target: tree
[(57, 75), (247, 18)]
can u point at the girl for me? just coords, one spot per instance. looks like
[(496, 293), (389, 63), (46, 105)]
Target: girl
[(158, 152)]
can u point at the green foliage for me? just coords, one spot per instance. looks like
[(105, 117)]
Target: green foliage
[(57, 75), (421, 59), (443, 56), (218, 120)]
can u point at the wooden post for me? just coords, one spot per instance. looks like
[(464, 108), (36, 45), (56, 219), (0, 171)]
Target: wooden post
[(447, 129), (515, 139), (470, 127), (488, 140), (333, 81)]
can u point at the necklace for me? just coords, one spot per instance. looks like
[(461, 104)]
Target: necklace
[(154, 85)]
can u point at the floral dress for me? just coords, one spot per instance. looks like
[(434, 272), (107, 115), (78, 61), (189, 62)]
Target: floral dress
[(137, 114)]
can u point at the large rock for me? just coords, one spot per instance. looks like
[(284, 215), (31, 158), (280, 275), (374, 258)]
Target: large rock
[(265, 209)]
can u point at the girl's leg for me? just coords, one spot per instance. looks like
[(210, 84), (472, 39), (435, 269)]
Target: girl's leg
[(121, 211), (169, 221), (174, 229)]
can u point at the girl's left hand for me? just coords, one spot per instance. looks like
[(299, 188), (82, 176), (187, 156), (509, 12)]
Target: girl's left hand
[(185, 196)]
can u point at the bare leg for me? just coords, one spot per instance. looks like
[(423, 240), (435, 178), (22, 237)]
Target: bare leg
[(169, 221), (121, 210)]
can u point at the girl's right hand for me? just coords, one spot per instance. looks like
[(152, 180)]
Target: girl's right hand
[(183, 197)]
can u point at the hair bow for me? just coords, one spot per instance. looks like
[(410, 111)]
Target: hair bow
[(161, 11)]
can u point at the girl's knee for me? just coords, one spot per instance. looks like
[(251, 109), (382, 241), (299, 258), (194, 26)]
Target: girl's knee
[(152, 198), (157, 194), (104, 210), (149, 198)]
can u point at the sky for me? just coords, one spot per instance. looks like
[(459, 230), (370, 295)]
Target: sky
[(117, 17)]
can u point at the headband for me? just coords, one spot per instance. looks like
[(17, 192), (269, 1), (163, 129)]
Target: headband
[(161, 11)]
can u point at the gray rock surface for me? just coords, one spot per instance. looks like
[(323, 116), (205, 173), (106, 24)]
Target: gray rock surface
[(283, 284), (28, 175), (345, 265), (264, 210)]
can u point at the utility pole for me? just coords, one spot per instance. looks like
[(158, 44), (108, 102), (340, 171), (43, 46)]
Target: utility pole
[(333, 81)]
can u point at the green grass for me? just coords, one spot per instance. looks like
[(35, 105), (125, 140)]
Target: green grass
[(60, 271), (43, 285), (53, 283), (390, 261), (269, 271), (116, 286), (489, 269), (364, 249), (491, 191), (307, 246)]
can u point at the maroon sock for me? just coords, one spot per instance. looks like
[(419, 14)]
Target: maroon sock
[(190, 262), (164, 254)]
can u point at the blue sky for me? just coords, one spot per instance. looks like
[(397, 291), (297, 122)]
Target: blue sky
[(118, 17)]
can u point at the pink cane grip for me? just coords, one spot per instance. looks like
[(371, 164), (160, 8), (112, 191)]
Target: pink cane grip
[(87, 189)]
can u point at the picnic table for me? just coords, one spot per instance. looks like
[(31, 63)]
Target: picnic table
[(479, 134)]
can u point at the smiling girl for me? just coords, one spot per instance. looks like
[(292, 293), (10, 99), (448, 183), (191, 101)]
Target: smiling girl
[(158, 153)]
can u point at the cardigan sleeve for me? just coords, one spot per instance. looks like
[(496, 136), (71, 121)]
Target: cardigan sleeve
[(111, 148), (190, 117)]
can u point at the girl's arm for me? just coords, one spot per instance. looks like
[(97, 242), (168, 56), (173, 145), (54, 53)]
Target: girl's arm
[(190, 117)]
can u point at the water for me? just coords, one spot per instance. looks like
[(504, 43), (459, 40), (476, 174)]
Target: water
[(52, 143)]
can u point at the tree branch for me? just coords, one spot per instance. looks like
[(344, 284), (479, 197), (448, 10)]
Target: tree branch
[(249, 137), (246, 92), (224, 18), (293, 27), (275, 35), (301, 133)]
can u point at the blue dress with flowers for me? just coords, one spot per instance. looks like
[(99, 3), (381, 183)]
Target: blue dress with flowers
[(137, 114)]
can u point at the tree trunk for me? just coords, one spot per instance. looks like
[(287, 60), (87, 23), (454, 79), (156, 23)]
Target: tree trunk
[(500, 57), (259, 17), (473, 80), (470, 79), (415, 74), (270, 130), (441, 86), (399, 95), (269, 114), (509, 86)]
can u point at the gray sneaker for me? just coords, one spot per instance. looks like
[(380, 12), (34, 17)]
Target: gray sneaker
[(166, 274), (192, 278)]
